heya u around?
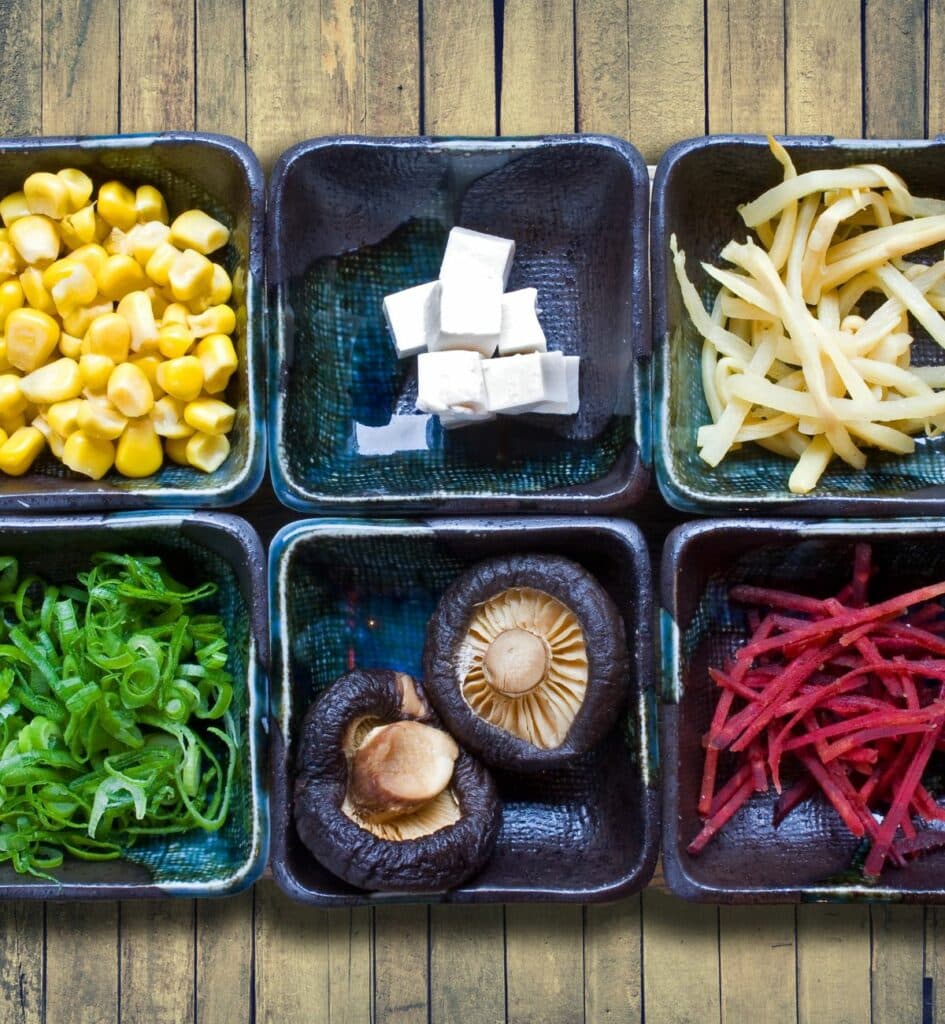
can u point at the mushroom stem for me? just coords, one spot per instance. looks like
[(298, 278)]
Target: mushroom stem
[(516, 662)]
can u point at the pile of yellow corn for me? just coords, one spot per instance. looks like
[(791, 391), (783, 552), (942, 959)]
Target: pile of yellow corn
[(114, 330)]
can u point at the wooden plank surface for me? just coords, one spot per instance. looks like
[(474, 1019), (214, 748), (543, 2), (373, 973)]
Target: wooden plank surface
[(894, 68), (896, 971), (467, 965), (613, 958), (402, 964), (833, 964), (757, 946), (21, 962), (543, 964)]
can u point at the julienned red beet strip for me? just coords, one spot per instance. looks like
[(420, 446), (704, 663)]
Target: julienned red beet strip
[(892, 770), (771, 597), (857, 739), (868, 650), (862, 568), (900, 804), (711, 763), (927, 805), (920, 637), (891, 719), (853, 704), (928, 613), (833, 793), (757, 761), (727, 683), (725, 792), (793, 797), (721, 817)]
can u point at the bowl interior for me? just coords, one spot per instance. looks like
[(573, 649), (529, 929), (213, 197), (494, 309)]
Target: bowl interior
[(351, 598), (811, 850), (699, 196), (189, 173), (354, 222), (193, 552)]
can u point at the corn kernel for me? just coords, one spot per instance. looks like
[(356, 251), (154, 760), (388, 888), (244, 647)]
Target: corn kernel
[(181, 378), (195, 229), (158, 301), (150, 205), (148, 365), (55, 382), (31, 338), (11, 424), (20, 450), (135, 309), (78, 185), (176, 449), (176, 313), (102, 228), (13, 207), (143, 239), (9, 262), (5, 364), (46, 194), (120, 275), (3, 436), (207, 451), (90, 456), (12, 399), (54, 441), (95, 370), (91, 255), (75, 288), (109, 335), (78, 322), (168, 418), (218, 359), (79, 228), (158, 267), (116, 205), (63, 417), (99, 418), (11, 297), (191, 275), (117, 242), (139, 449), (222, 287), (35, 238), (130, 391), (216, 320), (210, 415), (31, 281), (70, 346), (174, 341)]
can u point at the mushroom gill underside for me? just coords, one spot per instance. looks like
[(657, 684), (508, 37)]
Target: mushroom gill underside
[(523, 667)]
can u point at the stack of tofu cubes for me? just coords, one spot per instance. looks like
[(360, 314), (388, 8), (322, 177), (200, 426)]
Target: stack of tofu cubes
[(481, 350)]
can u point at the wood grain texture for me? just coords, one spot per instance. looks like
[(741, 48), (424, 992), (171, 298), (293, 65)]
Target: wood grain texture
[(291, 959), (82, 963), (220, 103), (934, 958), (459, 35), (392, 67), (824, 67), (667, 74), (157, 65), (894, 68), (896, 971), (537, 67), (833, 964), (745, 39), (613, 950), (80, 67), (757, 949), (935, 67), (21, 58), (401, 964), (157, 960), (467, 965), (225, 959), (680, 961), (543, 955), (21, 962), (602, 62), (350, 966)]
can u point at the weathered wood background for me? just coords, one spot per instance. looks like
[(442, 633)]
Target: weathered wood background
[(274, 72)]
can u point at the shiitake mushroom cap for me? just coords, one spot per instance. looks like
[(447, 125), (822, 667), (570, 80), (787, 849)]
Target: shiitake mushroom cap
[(439, 860), (601, 641)]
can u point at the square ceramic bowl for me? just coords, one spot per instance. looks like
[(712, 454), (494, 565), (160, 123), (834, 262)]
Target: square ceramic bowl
[(222, 176), (360, 593), (698, 187), (196, 547), (809, 856), (353, 219)]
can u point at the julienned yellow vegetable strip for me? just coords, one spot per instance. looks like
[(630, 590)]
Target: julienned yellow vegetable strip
[(788, 362)]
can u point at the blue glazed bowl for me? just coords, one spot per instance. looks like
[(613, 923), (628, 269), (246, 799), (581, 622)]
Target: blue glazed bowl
[(698, 186), (222, 176), (353, 219), (809, 856), (358, 593), (196, 547)]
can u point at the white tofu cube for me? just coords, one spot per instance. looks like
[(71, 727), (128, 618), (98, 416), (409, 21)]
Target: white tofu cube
[(470, 315), (450, 382), (472, 254), (521, 332), (571, 402), (413, 318), (514, 384)]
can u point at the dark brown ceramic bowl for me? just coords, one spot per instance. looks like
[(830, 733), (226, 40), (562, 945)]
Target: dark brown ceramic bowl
[(809, 856), (359, 593)]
